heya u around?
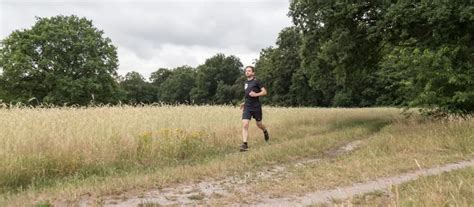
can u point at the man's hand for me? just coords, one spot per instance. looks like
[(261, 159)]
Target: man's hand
[(263, 92), (253, 94), (242, 106)]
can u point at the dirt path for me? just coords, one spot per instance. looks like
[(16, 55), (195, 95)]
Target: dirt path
[(199, 193), (202, 192), (361, 188)]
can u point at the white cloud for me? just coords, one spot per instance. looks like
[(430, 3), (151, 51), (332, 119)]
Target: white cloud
[(173, 56), (154, 34)]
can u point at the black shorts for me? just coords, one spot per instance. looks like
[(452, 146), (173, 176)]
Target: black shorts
[(257, 114)]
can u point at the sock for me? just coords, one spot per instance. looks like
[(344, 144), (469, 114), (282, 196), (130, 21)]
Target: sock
[(245, 143)]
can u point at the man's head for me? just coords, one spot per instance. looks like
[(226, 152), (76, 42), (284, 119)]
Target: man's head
[(249, 71)]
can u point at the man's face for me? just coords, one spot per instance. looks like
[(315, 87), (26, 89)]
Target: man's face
[(249, 72)]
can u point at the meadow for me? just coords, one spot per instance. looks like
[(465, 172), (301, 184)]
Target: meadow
[(49, 154)]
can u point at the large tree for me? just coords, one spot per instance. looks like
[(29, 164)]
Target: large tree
[(59, 60), (177, 87), (431, 55), (412, 53), (137, 90), (277, 66), (220, 72), (340, 49), (159, 76), (3, 94)]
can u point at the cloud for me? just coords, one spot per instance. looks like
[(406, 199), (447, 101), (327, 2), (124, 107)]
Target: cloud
[(153, 34), (177, 55)]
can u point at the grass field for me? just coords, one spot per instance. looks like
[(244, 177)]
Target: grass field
[(448, 189), (63, 153)]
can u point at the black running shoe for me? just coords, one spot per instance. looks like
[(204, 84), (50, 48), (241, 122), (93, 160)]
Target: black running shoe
[(266, 135), (244, 147)]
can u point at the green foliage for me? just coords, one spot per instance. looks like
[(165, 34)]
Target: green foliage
[(301, 94), (432, 80), (276, 67), (340, 49), (60, 60), (226, 94), (343, 99), (177, 87), (3, 93), (431, 55), (137, 90), (159, 76), (218, 70), (338, 53), (415, 54)]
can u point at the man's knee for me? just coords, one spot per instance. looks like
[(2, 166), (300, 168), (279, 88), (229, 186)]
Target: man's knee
[(260, 124), (245, 124)]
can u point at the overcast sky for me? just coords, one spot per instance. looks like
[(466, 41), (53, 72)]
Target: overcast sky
[(151, 34)]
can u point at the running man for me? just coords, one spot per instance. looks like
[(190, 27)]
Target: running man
[(252, 107)]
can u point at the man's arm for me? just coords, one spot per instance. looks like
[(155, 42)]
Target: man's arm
[(263, 92)]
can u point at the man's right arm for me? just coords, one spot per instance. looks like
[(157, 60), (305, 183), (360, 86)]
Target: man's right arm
[(242, 103)]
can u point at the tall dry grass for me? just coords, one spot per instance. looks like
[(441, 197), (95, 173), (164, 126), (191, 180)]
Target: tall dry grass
[(41, 145), (404, 145), (448, 189)]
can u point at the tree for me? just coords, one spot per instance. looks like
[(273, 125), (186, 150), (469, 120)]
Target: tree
[(177, 87), (301, 94), (431, 55), (60, 60), (137, 90), (411, 53), (229, 94), (276, 66), (3, 94), (159, 76), (340, 49), (215, 70)]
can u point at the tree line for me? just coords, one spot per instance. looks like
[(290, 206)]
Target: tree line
[(218, 81), (337, 54), (65, 60), (375, 53)]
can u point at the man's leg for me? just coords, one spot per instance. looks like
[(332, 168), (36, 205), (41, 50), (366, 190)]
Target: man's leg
[(258, 118), (261, 126), (245, 135), (264, 129), (245, 130)]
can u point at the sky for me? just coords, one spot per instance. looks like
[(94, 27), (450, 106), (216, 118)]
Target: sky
[(152, 34)]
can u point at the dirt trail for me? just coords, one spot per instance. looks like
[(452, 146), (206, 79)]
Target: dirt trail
[(199, 193), (203, 191), (360, 188)]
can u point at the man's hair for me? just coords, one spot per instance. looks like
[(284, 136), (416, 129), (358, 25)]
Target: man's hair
[(251, 67)]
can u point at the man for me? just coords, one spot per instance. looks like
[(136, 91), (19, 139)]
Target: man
[(252, 107)]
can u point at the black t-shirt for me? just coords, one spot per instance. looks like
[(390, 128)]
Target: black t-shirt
[(252, 103)]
